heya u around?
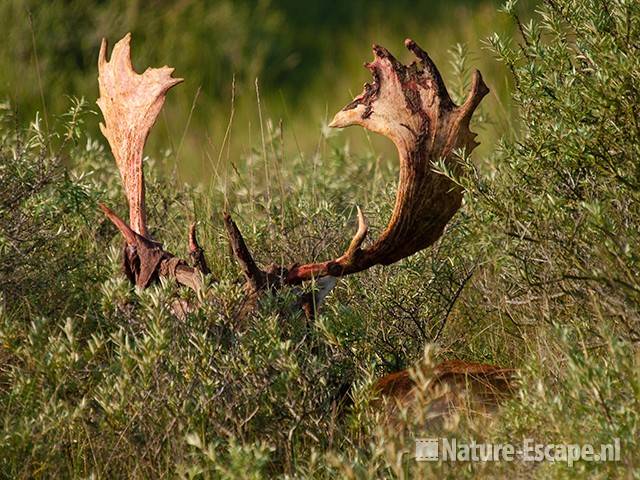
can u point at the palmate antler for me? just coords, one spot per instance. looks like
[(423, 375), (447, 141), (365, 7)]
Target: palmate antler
[(130, 104), (411, 106)]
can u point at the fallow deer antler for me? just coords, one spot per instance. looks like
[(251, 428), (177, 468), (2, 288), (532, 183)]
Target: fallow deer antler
[(411, 106), (130, 103)]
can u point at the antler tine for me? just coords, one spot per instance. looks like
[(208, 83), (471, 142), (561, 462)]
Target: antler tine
[(430, 69), (361, 234), (478, 91), (128, 234), (256, 278), (346, 262), (130, 103)]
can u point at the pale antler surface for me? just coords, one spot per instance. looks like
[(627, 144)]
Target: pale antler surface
[(130, 103)]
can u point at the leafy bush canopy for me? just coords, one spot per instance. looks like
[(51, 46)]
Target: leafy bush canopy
[(539, 271)]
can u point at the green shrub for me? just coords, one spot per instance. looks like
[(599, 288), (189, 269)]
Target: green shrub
[(538, 271)]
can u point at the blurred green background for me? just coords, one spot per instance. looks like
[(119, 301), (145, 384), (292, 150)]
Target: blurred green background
[(306, 55)]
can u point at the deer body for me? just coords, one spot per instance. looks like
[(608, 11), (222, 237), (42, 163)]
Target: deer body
[(453, 386)]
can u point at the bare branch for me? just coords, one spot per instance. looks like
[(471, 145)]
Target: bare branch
[(196, 253)]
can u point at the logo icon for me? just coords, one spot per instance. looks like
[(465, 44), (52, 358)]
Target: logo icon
[(427, 449)]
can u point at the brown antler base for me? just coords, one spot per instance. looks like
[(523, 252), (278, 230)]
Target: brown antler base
[(144, 261)]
